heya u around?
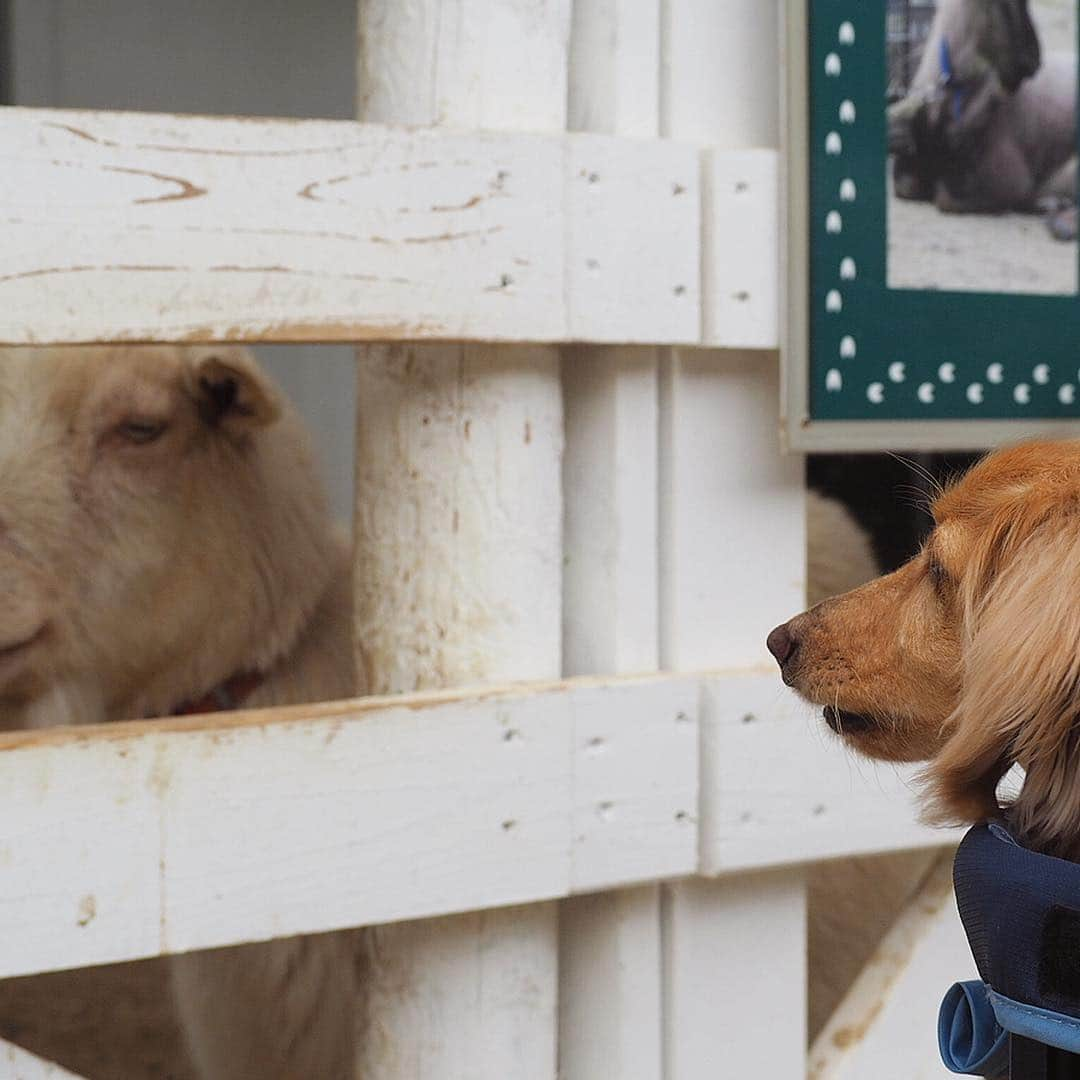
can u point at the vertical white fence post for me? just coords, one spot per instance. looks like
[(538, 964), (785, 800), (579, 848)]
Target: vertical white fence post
[(732, 554), (459, 537), (609, 943)]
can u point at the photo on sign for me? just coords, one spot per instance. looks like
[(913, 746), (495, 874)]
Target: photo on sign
[(981, 119)]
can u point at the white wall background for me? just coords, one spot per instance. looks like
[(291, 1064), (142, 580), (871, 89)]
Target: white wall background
[(241, 57)]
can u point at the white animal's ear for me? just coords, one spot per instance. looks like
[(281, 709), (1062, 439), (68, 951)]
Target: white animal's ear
[(231, 391)]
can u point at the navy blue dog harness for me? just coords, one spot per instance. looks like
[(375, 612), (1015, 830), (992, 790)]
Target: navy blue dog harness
[(1021, 913)]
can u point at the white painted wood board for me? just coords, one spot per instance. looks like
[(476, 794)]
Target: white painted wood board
[(130, 226), (886, 1026), (19, 1064), (489, 64), (732, 513), (502, 972), (735, 977), (612, 190), (610, 1001), (486, 494), (610, 995), (458, 535), (741, 249), (136, 839), (779, 787), (610, 491)]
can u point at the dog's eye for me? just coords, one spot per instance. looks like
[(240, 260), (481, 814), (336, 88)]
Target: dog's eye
[(140, 431)]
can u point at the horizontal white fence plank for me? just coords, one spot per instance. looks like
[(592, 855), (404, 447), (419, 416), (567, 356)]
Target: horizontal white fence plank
[(138, 839), (19, 1064), (779, 787), (131, 840), (741, 256), (135, 226)]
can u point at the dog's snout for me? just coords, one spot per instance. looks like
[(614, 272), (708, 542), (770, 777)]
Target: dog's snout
[(781, 643)]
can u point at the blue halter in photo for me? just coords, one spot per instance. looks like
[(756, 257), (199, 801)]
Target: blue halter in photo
[(1021, 913)]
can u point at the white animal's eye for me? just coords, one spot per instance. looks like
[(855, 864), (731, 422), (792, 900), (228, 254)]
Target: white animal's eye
[(142, 431)]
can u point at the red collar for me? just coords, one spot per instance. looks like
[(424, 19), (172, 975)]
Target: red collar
[(226, 696)]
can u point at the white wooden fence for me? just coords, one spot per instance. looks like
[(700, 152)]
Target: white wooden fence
[(609, 298)]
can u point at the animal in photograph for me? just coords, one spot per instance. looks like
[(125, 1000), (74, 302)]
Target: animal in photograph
[(982, 139)]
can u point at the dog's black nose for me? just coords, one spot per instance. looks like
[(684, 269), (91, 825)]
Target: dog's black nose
[(781, 643)]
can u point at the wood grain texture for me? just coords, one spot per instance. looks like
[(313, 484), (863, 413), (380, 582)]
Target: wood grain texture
[(129, 226), (132, 840), (474, 460)]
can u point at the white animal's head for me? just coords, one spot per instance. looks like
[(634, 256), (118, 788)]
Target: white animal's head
[(161, 526)]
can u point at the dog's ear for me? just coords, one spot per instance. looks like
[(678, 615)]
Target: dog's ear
[(231, 392), (1020, 696)]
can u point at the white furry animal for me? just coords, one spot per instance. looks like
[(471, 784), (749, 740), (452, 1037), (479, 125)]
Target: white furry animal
[(162, 531)]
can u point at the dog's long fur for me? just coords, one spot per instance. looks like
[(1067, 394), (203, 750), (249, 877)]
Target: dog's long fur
[(967, 657), (162, 529)]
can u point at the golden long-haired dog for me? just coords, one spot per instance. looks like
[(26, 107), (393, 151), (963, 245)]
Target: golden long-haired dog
[(968, 657)]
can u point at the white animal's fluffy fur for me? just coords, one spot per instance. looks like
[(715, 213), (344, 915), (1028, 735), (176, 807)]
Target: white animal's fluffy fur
[(162, 529)]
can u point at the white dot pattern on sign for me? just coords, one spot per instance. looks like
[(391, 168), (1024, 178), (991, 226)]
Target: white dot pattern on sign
[(833, 67), (897, 371), (1067, 394), (847, 190), (847, 348), (975, 393), (834, 381), (834, 302), (947, 372), (833, 143), (995, 373), (925, 393), (848, 271), (875, 393), (834, 223), (846, 34), (847, 112), (1022, 394), (1041, 374)]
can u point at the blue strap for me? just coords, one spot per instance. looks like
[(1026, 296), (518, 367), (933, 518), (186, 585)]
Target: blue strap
[(970, 1039), (945, 60), (958, 97)]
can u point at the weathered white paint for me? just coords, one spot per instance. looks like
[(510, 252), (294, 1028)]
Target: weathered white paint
[(131, 226), (740, 279), (19, 1064), (136, 839), (610, 992), (458, 451), (624, 258), (735, 972), (610, 1012), (731, 510), (459, 510), (887, 1024), (776, 773), (732, 551)]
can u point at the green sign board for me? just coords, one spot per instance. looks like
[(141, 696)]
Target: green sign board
[(933, 287)]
